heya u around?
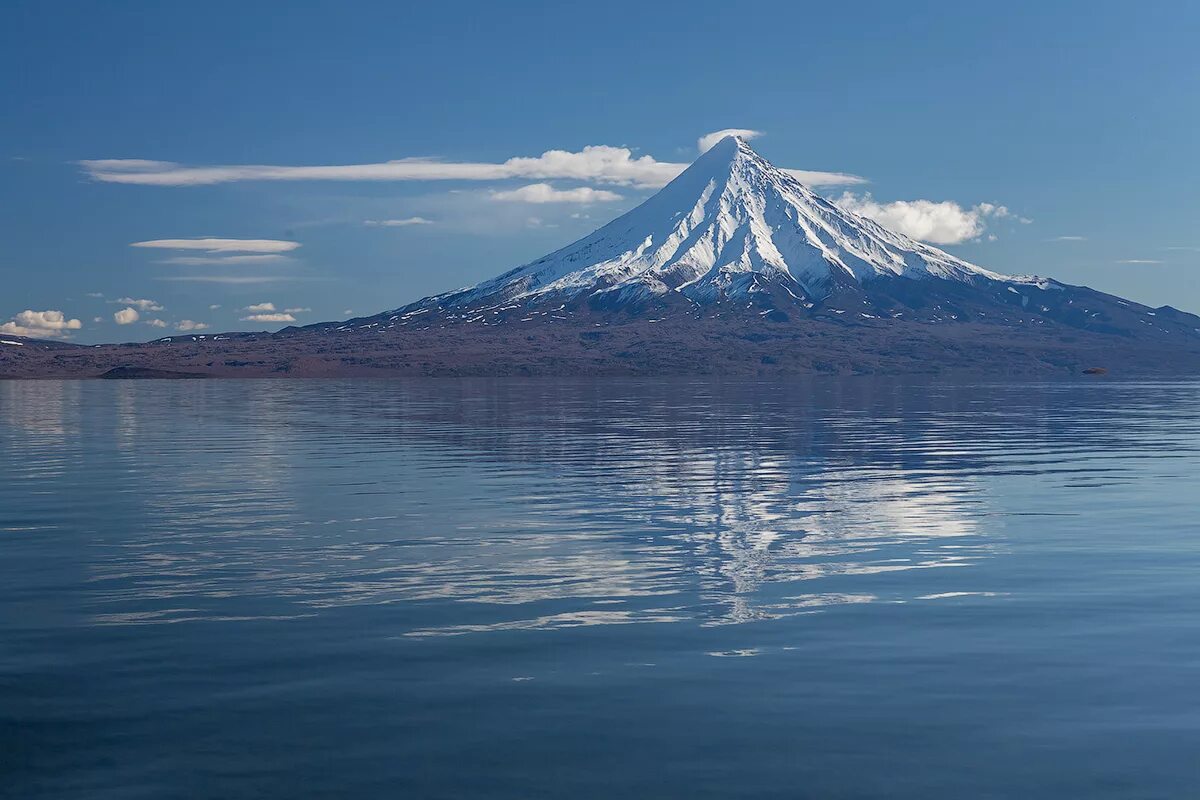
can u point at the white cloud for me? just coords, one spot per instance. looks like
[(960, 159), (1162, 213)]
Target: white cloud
[(296, 310), (97, 319), (594, 163), (269, 318), (993, 210), (190, 325), (926, 220), (214, 306), (545, 193), (231, 279), (156, 323), (816, 178), (397, 223), (1069, 239), (127, 163), (126, 316), (41, 324), (260, 307), (209, 245), (140, 305), (1140, 261), (258, 258), (706, 142), (224, 252)]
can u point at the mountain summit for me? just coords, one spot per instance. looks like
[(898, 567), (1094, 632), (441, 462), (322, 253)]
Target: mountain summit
[(734, 235), (730, 226)]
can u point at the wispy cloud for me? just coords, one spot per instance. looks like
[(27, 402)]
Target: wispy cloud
[(210, 245), (942, 222), (187, 325), (1069, 239), (594, 163), (223, 252), (229, 279), (816, 178), (48, 324), (1140, 261), (296, 310), (397, 223), (279, 317), (263, 258), (545, 193), (706, 142), (599, 163)]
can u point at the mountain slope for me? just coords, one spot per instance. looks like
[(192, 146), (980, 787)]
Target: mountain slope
[(733, 236), (727, 227)]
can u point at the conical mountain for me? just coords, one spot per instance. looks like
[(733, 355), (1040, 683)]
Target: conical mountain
[(734, 237), (730, 225)]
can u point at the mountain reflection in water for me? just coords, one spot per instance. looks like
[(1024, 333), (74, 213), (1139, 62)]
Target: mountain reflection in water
[(617, 502)]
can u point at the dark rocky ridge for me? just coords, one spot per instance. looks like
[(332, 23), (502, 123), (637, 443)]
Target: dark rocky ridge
[(669, 341)]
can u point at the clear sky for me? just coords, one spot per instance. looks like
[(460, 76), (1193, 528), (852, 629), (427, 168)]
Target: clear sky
[(1080, 119)]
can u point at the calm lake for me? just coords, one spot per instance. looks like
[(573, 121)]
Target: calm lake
[(599, 589)]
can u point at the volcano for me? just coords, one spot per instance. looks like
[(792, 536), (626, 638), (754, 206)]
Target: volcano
[(734, 268), (733, 233), (731, 227)]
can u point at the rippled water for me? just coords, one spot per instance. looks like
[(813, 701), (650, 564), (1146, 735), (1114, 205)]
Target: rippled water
[(520, 589)]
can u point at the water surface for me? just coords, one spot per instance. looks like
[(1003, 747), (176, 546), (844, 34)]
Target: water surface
[(599, 589)]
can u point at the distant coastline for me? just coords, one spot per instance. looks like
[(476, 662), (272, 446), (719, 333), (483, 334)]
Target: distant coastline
[(737, 345)]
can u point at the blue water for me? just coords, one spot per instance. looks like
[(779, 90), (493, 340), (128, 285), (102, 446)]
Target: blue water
[(606, 589)]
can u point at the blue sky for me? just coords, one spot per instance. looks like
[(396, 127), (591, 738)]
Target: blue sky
[(1079, 118)]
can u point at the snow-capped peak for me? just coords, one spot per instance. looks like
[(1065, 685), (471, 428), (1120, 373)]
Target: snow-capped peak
[(726, 226)]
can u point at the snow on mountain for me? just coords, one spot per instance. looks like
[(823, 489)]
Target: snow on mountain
[(733, 237), (728, 226)]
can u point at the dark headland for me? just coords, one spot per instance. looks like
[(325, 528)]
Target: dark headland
[(589, 344)]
